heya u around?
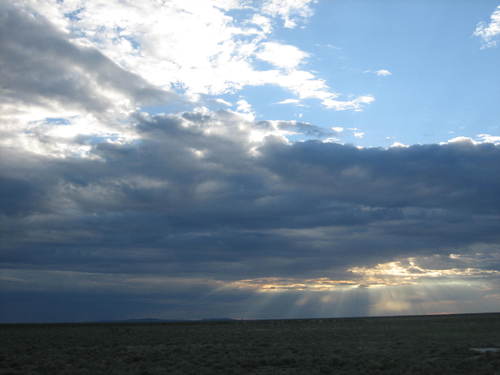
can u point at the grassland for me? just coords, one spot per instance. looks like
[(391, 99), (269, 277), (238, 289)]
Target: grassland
[(400, 345)]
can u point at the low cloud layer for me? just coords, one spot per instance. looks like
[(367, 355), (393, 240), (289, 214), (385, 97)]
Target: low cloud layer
[(201, 200)]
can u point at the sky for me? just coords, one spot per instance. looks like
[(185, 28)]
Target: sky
[(186, 159)]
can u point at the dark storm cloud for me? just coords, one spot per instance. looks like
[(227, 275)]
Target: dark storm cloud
[(194, 200), (39, 66), (458, 176), (191, 198)]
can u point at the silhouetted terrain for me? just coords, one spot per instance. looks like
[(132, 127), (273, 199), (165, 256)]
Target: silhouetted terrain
[(391, 345)]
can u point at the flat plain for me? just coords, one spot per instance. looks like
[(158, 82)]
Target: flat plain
[(387, 345)]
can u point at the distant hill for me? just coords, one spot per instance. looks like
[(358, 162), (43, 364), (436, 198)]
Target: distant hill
[(152, 320)]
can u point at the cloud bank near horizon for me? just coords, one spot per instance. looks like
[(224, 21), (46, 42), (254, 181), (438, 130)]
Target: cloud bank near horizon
[(199, 206)]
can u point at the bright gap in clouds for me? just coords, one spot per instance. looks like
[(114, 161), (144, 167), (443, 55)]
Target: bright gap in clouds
[(218, 153)]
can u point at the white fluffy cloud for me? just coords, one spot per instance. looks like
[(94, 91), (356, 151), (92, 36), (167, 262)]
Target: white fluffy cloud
[(489, 32), (281, 55)]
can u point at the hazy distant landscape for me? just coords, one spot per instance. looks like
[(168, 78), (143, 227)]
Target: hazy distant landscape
[(388, 345)]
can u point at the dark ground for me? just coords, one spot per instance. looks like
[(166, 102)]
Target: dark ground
[(399, 345)]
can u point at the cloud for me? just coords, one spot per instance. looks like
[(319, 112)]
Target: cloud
[(50, 82), (488, 138), (289, 10), (135, 37), (383, 73), (245, 108), (380, 72), (279, 285), (101, 200), (358, 134), (356, 104), (489, 32), (409, 272), (41, 67), (61, 71), (281, 55), (289, 101), (288, 128), (224, 102), (398, 144), (192, 200), (222, 47)]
